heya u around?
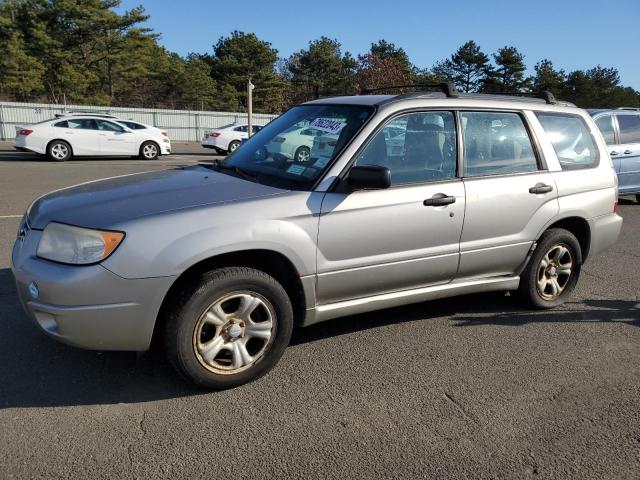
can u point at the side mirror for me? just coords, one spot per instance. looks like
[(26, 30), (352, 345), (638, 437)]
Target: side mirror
[(369, 177)]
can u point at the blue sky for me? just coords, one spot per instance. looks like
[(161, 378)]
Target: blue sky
[(573, 34)]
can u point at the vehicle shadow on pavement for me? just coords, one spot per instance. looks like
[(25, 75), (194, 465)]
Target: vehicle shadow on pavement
[(36, 371), (476, 310)]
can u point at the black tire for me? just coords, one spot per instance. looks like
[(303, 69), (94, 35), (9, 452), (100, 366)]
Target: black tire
[(638, 198), (219, 151), (302, 155), (149, 150), (551, 243), (233, 145), (59, 151), (184, 326)]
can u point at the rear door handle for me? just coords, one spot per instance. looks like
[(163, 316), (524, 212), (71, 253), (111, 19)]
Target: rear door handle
[(438, 200), (628, 152), (540, 188), (613, 154)]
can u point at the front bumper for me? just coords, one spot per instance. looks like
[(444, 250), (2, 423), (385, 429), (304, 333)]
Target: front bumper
[(87, 306)]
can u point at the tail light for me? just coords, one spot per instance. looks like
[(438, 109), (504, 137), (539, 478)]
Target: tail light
[(279, 139), (616, 207), (25, 132), (214, 134), (166, 134)]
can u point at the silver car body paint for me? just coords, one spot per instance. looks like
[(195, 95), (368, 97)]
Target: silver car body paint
[(354, 252)]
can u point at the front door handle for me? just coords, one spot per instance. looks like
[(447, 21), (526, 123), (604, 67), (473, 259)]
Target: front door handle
[(613, 154), (540, 188), (438, 200), (628, 152)]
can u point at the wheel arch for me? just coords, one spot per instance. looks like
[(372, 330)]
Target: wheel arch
[(46, 148), (271, 262), (579, 227)]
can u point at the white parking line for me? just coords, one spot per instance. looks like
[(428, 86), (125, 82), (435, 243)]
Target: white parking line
[(10, 216)]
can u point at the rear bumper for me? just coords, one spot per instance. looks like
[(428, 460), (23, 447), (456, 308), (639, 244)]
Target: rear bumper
[(604, 232), (87, 306)]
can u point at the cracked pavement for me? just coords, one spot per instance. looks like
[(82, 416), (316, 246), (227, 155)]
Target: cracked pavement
[(470, 387)]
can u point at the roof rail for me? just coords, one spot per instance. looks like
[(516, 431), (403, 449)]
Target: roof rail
[(635, 109), (448, 88)]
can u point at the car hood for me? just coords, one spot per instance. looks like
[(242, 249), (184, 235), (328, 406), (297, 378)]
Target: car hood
[(112, 201)]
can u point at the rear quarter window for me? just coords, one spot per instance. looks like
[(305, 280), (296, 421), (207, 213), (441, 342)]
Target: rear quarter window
[(571, 140)]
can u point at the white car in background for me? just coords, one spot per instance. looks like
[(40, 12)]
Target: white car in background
[(294, 144), (226, 139), (74, 135), (131, 125)]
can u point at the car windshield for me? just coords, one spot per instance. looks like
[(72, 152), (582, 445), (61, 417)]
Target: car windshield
[(294, 150)]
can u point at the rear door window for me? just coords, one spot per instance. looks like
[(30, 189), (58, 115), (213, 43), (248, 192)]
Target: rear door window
[(571, 140), (605, 125), (82, 123), (109, 126), (496, 143), (629, 126)]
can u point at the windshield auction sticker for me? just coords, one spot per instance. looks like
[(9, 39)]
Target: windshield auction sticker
[(327, 125)]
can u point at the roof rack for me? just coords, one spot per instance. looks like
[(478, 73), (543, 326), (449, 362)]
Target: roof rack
[(635, 109), (448, 88)]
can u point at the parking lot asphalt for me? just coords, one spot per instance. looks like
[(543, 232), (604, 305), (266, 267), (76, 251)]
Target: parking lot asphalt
[(470, 387)]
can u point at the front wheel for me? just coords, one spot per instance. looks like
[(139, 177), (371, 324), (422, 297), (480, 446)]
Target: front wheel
[(553, 270), (230, 328), (149, 151)]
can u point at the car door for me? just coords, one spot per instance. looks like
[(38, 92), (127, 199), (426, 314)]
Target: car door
[(115, 140), (509, 196), (82, 135), (407, 236), (628, 152)]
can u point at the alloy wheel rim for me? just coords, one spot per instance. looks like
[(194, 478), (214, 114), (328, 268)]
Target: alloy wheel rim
[(554, 272), (233, 146), (149, 151), (303, 155), (234, 332), (59, 151)]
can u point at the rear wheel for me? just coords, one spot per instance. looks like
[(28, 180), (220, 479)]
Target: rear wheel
[(302, 155), (553, 270), (149, 151), (233, 145), (59, 151), (230, 328)]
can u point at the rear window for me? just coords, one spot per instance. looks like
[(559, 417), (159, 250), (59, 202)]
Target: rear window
[(571, 140)]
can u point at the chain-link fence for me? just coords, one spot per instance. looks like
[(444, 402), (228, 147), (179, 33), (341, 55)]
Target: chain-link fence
[(182, 125)]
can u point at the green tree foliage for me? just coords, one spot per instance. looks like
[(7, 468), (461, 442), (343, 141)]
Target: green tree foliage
[(321, 70), (85, 51), (508, 75), (548, 78), (242, 56), (467, 67), (22, 74)]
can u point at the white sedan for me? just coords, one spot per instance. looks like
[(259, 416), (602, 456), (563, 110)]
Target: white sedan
[(226, 139), (294, 144), (64, 137)]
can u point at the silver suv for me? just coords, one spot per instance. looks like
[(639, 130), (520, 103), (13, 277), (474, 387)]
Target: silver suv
[(402, 199)]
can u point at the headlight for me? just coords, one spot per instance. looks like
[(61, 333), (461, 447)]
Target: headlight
[(75, 245)]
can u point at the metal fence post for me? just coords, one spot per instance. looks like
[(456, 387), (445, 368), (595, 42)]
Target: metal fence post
[(2, 135), (197, 126)]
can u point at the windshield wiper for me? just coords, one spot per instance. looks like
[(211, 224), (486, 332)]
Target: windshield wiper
[(219, 166)]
